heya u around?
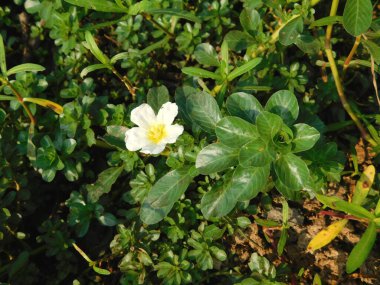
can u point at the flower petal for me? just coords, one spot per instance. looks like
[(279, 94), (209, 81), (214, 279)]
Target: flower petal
[(153, 148), (136, 138), (143, 116), (167, 113), (173, 132)]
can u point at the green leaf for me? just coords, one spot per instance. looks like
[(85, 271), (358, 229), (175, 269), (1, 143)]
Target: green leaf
[(244, 105), (93, 47), (101, 271), (357, 16), (157, 96), (181, 95), (235, 132), (205, 54), (169, 188), (353, 209), (305, 137), (25, 67), (290, 32), (262, 265), (3, 62), (175, 12), (292, 171), (246, 183), (362, 249), (104, 183), (308, 44), (283, 103), (374, 50), (199, 72), (98, 5), (92, 68), (218, 202), (213, 232), (250, 20), (216, 157), (204, 110), (225, 56), (255, 153), (325, 21), (268, 125), (238, 40), (21, 261), (150, 215), (243, 68), (115, 136)]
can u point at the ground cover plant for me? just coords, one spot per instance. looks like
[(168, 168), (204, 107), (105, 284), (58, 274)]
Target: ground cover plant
[(189, 142)]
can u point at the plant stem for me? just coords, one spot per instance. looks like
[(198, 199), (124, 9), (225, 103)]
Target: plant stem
[(126, 82), (20, 99), (351, 54), (338, 83), (158, 25)]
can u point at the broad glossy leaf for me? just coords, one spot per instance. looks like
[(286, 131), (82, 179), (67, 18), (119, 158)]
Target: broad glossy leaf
[(175, 12), (199, 72), (150, 215), (238, 40), (250, 20), (357, 16), (244, 105), (290, 32), (325, 236), (181, 95), (218, 202), (268, 125), (169, 188), (235, 132), (157, 96), (204, 110), (246, 183), (216, 157), (205, 54), (262, 265), (292, 171), (104, 183), (99, 5), (287, 192), (25, 67), (305, 137), (362, 249), (283, 103), (255, 153)]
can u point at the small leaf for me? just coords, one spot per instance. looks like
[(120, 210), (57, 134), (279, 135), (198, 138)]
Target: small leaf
[(305, 137), (325, 21), (157, 96), (357, 16), (250, 20), (3, 62), (362, 249), (95, 49), (244, 105), (199, 72), (21, 261), (325, 236), (205, 54), (104, 183), (92, 68), (177, 13), (243, 68), (99, 5), (290, 32), (238, 40), (235, 132), (216, 157), (204, 110), (45, 103), (25, 67), (284, 104), (292, 171), (101, 271), (363, 185), (255, 153)]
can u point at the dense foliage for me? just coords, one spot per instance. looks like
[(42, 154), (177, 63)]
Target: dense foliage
[(273, 97)]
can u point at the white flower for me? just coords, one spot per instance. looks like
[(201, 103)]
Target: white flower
[(153, 132)]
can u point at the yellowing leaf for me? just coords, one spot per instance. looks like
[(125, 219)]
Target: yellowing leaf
[(45, 103), (325, 236), (364, 185)]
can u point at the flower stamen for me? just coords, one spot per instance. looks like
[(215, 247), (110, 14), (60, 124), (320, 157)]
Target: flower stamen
[(156, 133)]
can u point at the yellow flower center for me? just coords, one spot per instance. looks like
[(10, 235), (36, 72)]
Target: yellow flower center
[(157, 132)]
